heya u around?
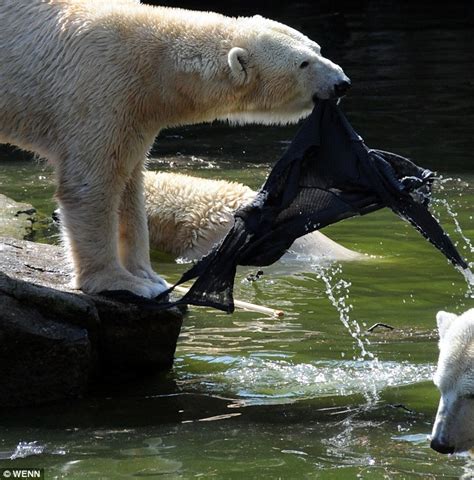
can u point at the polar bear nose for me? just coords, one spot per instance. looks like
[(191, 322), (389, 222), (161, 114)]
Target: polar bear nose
[(341, 88), (440, 446)]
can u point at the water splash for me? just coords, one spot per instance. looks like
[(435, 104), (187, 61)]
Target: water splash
[(469, 277), (27, 449), (258, 380), (337, 290), (439, 204), (453, 215), (468, 468)]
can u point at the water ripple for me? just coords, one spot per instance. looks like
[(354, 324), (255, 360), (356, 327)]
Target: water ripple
[(275, 381)]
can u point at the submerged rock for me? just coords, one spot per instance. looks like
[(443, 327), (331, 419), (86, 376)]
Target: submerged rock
[(54, 340), (16, 218)]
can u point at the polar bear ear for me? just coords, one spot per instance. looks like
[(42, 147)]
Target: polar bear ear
[(238, 58), (444, 320)]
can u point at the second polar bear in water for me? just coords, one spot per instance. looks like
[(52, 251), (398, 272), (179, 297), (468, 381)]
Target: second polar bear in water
[(188, 215), (89, 84), (453, 430)]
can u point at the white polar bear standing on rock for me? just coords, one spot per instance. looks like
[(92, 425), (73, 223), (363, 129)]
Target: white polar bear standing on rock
[(453, 430), (89, 84)]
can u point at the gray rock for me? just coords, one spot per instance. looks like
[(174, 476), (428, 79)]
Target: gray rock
[(54, 339), (16, 219), (40, 360)]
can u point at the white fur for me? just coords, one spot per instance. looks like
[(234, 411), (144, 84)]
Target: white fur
[(188, 215), (88, 84), (454, 424)]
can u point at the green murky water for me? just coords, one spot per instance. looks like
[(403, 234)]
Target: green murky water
[(291, 398)]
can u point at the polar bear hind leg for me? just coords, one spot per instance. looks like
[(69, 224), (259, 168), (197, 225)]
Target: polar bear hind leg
[(134, 250)]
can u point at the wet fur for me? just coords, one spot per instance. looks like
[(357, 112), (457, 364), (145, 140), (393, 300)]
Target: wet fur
[(88, 85)]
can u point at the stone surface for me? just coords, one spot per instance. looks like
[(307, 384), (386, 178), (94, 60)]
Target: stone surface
[(16, 219), (40, 360), (54, 339)]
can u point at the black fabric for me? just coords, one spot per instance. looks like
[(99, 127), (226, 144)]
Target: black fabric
[(327, 174)]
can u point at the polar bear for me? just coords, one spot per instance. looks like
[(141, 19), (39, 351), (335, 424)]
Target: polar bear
[(188, 215), (89, 84), (453, 429)]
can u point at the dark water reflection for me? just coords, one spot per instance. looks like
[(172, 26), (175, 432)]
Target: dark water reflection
[(412, 68)]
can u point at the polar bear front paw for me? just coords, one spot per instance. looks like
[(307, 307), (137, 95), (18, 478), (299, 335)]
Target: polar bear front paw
[(148, 274), (118, 280)]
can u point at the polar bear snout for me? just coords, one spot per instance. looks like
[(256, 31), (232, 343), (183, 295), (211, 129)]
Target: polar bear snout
[(338, 90), (341, 88), (440, 446), (330, 80)]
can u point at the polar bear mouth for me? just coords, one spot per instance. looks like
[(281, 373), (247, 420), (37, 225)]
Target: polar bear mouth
[(318, 96), (466, 447), (338, 90)]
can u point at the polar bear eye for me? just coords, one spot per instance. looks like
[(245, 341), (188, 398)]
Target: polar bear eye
[(304, 64)]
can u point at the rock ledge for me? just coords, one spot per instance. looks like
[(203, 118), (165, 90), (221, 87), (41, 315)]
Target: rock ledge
[(54, 340)]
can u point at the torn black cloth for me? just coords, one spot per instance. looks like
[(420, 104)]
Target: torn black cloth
[(327, 174)]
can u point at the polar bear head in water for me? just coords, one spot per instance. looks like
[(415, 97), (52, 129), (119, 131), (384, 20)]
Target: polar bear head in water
[(454, 425)]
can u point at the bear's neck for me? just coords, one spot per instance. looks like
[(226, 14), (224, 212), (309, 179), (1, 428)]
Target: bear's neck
[(183, 64)]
